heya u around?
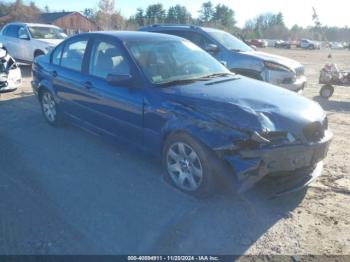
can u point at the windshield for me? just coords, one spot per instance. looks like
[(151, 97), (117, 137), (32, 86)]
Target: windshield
[(41, 32), (229, 41), (174, 60)]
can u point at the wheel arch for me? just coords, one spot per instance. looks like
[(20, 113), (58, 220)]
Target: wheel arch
[(38, 52), (44, 85), (209, 134)]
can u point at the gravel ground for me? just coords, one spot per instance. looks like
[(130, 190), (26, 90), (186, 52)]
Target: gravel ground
[(65, 191)]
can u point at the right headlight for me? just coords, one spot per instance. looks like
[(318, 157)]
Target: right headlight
[(276, 67), (274, 137)]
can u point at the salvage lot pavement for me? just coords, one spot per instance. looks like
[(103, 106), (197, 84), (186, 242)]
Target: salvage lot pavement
[(66, 191)]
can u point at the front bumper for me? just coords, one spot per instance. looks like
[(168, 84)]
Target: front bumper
[(251, 166), (11, 81), (298, 85), (289, 80)]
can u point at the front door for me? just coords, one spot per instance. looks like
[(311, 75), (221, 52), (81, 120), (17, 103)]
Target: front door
[(117, 108)]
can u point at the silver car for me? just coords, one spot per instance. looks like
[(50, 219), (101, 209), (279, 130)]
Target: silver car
[(25, 41)]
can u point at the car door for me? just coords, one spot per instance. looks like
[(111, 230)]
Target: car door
[(10, 36), (25, 48), (67, 78), (116, 108)]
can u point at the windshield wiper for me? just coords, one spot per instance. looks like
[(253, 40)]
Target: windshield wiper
[(217, 75), (236, 50), (179, 81), (193, 80)]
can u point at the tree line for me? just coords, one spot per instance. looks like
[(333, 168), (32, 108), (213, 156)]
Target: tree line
[(107, 17)]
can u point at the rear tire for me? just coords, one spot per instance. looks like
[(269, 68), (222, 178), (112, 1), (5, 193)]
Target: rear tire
[(327, 91), (189, 166)]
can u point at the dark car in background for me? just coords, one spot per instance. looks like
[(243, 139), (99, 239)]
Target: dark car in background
[(238, 57), (283, 44), (257, 43), (166, 95)]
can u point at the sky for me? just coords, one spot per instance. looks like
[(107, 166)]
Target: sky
[(331, 13)]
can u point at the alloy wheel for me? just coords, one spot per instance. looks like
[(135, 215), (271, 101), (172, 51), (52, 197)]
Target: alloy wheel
[(49, 107), (184, 166)]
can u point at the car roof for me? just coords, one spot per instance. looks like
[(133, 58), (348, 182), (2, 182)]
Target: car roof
[(177, 26), (31, 24), (155, 27), (134, 35)]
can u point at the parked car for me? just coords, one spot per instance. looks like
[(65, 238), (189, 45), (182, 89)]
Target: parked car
[(257, 43), (166, 95), (238, 57), (308, 44), (270, 42), (25, 41), (283, 44), (10, 73), (336, 45)]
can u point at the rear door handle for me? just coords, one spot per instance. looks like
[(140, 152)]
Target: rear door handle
[(88, 85)]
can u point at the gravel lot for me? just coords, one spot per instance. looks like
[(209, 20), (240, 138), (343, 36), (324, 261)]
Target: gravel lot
[(66, 191)]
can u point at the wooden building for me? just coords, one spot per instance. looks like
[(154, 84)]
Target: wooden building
[(71, 22)]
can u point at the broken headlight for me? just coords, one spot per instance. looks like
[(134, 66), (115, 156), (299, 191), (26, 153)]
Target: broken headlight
[(257, 140), (273, 138)]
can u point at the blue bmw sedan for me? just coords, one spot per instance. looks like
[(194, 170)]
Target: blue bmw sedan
[(170, 97)]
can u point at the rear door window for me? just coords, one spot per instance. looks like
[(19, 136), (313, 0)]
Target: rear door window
[(12, 31), (73, 54)]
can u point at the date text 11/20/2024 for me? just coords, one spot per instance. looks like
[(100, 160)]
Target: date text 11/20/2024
[(173, 258)]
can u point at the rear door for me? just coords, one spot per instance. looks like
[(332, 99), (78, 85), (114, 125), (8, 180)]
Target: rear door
[(67, 78), (11, 41)]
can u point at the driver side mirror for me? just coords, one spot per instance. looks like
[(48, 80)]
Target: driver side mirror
[(117, 80), (253, 47), (212, 48), (23, 37)]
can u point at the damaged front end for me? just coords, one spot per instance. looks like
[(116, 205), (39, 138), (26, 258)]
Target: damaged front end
[(10, 73), (295, 160)]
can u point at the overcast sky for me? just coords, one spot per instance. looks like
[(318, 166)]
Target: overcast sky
[(331, 12)]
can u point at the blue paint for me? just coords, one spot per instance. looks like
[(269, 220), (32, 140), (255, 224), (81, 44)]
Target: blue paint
[(218, 112)]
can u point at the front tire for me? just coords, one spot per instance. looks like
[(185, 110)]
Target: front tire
[(49, 108), (189, 165)]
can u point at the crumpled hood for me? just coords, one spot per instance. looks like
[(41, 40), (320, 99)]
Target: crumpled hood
[(248, 104), (290, 63)]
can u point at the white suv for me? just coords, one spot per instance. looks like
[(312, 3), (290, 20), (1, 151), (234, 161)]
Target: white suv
[(25, 41)]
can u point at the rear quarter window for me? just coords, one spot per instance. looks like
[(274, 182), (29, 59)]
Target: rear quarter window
[(11, 31), (73, 54), (56, 55)]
